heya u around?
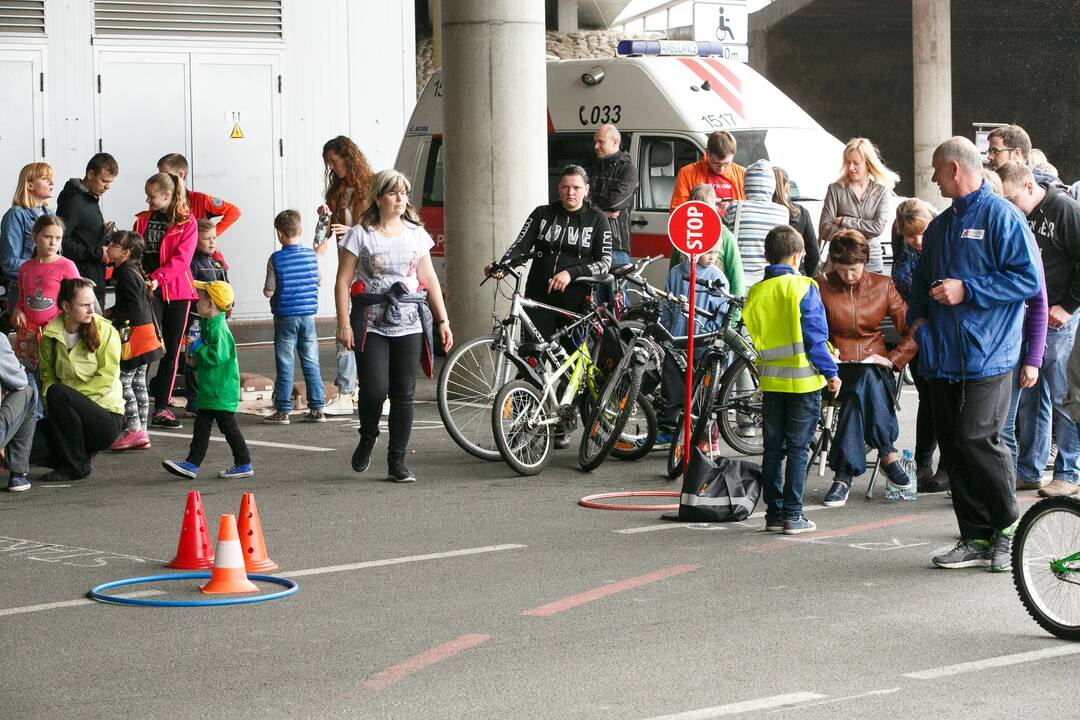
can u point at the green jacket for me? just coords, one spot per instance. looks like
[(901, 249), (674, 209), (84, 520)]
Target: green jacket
[(216, 366), (94, 374)]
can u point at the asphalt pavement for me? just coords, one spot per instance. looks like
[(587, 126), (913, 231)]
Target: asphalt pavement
[(478, 593)]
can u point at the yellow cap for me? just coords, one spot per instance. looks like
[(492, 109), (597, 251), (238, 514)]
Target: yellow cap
[(220, 292)]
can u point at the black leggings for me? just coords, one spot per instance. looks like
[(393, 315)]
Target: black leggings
[(226, 422), (387, 366), (173, 318), (74, 428)]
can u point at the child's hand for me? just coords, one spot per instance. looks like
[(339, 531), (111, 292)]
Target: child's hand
[(191, 360), (834, 384), (18, 319), (153, 283)]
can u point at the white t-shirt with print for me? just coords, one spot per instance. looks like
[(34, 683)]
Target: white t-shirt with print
[(382, 261)]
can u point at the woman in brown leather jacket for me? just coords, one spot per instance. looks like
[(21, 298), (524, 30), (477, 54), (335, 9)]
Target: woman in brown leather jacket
[(856, 301)]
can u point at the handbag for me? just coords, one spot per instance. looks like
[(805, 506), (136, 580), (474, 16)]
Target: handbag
[(722, 491)]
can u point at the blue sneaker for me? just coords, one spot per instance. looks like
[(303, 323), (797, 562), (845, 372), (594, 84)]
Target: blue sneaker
[(837, 495), (663, 441), (798, 525), (237, 471), (181, 468), (18, 483)]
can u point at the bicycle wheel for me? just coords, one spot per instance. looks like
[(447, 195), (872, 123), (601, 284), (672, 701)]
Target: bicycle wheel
[(472, 374), (524, 444), (738, 408), (638, 437), (609, 417), (704, 395), (1046, 579)]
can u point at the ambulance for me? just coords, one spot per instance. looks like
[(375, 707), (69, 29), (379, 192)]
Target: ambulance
[(665, 97)]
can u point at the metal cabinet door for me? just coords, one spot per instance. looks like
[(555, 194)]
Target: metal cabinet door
[(22, 122)]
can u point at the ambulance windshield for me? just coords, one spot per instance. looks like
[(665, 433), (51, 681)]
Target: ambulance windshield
[(811, 157)]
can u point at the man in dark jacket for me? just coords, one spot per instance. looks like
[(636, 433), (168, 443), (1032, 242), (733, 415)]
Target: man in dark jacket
[(1054, 218), (612, 184), (85, 231)]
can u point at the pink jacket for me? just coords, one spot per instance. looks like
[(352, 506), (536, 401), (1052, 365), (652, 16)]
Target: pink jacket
[(177, 248)]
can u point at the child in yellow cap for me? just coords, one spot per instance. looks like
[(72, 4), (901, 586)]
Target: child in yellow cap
[(218, 373)]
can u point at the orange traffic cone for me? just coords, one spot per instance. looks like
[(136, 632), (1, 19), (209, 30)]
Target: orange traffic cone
[(251, 537), (228, 575), (194, 551)]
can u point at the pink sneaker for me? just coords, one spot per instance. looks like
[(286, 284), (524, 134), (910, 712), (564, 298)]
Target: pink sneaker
[(131, 440)]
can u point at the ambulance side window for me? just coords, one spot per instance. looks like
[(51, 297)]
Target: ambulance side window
[(659, 165), (433, 175), (571, 149)]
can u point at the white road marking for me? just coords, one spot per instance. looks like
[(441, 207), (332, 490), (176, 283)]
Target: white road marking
[(73, 603), (697, 526), (994, 662), (743, 707), (399, 560), (261, 443), (887, 691)]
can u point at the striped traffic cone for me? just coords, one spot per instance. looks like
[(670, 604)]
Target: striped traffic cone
[(228, 575)]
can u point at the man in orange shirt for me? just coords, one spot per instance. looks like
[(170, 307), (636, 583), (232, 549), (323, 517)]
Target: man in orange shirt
[(717, 168), (203, 206)]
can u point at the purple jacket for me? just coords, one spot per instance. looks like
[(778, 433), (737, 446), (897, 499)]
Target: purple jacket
[(1036, 313)]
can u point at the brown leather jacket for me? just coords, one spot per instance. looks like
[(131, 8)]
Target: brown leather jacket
[(855, 312)]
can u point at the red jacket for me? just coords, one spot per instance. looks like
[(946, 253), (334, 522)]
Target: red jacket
[(204, 207), (177, 248)]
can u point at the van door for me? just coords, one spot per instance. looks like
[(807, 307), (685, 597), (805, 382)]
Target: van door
[(430, 159)]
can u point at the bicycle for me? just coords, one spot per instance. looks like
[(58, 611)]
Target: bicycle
[(1046, 565)]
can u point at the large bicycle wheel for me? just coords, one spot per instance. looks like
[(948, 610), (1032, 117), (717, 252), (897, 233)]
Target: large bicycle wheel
[(609, 417), (523, 442), (704, 395), (472, 374), (738, 408), (1047, 580), (638, 437)]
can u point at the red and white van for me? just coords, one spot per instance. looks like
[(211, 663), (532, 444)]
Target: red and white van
[(665, 107)]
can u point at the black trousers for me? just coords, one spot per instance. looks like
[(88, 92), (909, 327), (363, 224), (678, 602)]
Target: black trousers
[(968, 418), (173, 318), (925, 437), (72, 431), (386, 366), (226, 422)]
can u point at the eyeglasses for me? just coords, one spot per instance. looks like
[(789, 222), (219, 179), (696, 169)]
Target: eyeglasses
[(995, 151)]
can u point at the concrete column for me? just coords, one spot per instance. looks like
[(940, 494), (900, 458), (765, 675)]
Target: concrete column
[(435, 12), (931, 51), (495, 135), (567, 16)]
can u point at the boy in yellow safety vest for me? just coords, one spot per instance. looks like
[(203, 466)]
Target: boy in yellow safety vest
[(786, 321)]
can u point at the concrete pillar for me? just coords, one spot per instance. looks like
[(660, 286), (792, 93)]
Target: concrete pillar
[(435, 12), (567, 16), (931, 51), (495, 135)]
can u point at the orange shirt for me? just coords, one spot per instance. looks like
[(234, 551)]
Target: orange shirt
[(729, 185)]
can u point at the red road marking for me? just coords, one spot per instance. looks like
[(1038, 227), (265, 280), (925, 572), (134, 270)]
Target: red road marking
[(395, 673), (851, 530), (590, 595)]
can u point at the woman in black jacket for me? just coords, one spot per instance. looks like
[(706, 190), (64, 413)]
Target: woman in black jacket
[(800, 220)]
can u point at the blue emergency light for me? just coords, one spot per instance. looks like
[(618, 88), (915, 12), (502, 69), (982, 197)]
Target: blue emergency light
[(669, 47)]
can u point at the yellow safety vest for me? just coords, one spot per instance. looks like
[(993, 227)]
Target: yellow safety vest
[(773, 318)]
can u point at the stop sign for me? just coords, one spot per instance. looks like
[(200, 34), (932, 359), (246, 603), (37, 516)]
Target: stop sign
[(694, 227)]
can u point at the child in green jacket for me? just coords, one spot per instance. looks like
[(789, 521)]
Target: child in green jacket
[(218, 374)]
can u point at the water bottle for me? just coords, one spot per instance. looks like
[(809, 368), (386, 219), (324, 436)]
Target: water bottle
[(320, 229), (909, 493)]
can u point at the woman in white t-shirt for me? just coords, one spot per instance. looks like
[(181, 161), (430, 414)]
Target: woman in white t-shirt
[(385, 274)]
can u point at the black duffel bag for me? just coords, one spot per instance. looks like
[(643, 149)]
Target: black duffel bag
[(722, 491)]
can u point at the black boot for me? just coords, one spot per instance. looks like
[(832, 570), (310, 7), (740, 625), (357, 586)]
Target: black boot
[(398, 472), (361, 457)]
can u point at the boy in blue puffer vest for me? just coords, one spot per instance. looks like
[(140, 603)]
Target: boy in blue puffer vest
[(292, 284)]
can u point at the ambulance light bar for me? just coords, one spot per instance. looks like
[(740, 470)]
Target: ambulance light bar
[(669, 47)]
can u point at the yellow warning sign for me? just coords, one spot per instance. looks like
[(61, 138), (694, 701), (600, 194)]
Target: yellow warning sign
[(237, 133)]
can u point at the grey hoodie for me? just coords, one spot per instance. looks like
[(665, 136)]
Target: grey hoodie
[(751, 219), (12, 374)]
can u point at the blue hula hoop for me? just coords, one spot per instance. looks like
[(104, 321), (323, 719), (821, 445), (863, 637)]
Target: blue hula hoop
[(98, 593)]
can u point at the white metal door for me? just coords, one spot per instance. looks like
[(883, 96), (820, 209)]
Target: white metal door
[(237, 95), (143, 110), (22, 122)]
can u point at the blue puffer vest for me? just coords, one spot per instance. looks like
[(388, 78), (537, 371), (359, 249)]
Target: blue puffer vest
[(297, 288)]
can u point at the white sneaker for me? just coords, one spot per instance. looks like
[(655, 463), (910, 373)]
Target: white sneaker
[(386, 406), (342, 404)]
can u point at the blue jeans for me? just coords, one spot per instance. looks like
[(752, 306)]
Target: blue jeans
[(867, 417), (346, 370), (297, 334), (1008, 432), (1041, 408), (789, 423)]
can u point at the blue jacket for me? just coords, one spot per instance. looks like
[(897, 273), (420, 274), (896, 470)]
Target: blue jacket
[(16, 242), (678, 283), (985, 242), (815, 328), (296, 289)]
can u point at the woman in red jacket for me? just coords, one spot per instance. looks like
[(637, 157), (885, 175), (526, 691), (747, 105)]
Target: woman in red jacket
[(171, 236)]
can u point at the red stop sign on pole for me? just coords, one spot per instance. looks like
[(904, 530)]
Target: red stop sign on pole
[(693, 228)]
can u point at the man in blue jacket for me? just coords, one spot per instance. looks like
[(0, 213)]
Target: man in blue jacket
[(979, 264)]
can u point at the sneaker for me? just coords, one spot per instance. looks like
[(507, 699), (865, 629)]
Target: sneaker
[(237, 471), (18, 483), (131, 440), (1032, 484), (967, 553), (315, 416), (1059, 488), (166, 419), (342, 404), (798, 525), (663, 441), (280, 417), (774, 524), (181, 468), (1001, 557), (837, 495), (398, 472), (361, 457)]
